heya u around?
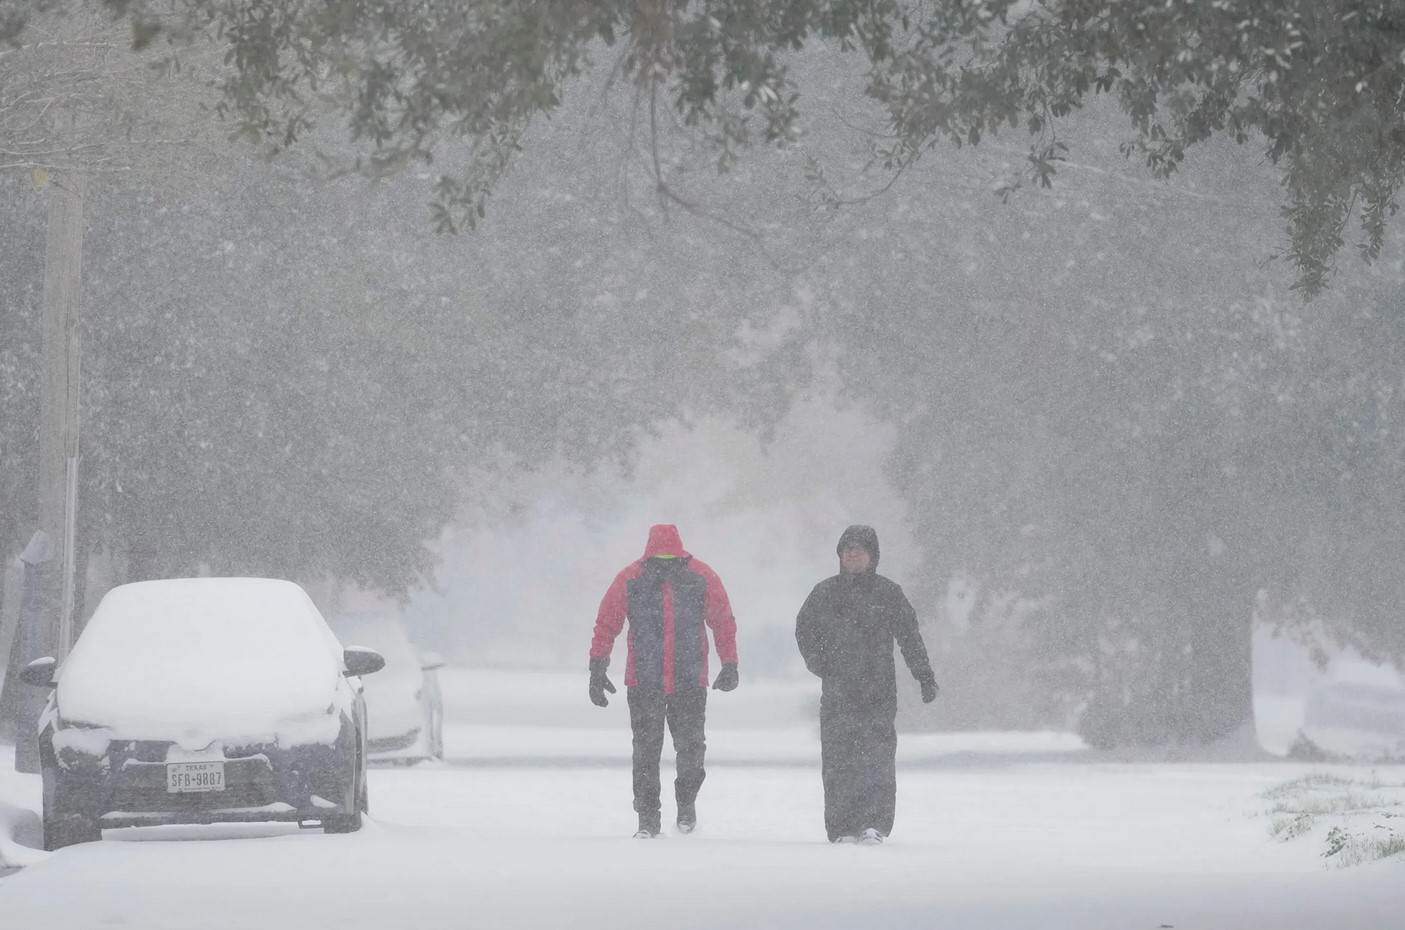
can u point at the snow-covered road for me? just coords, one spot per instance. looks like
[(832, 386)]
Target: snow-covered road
[(1001, 844)]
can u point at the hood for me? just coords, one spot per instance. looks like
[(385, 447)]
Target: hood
[(664, 540), (865, 537), (197, 659)]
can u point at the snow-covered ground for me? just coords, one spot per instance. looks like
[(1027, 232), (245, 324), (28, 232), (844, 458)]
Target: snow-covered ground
[(528, 825), (494, 718)]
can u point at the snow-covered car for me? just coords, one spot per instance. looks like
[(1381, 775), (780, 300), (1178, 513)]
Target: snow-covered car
[(203, 700), (405, 713)]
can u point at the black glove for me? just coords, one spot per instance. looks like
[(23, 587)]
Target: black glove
[(600, 682), (929, 689), (727, 678)]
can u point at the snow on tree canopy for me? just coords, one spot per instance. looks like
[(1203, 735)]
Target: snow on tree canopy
[(194, 660)]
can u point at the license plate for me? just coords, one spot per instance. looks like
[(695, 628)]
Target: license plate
[(182, 777)]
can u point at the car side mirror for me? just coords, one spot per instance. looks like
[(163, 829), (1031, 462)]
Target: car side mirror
[(362, 661), (40, 672), (429, 661)]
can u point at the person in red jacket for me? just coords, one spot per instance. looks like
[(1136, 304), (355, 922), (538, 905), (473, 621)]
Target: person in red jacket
[(670, 600)]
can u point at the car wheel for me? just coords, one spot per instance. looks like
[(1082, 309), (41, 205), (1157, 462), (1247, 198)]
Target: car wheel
[(349, 823), (341, 823), (361, 802), (64, 827)]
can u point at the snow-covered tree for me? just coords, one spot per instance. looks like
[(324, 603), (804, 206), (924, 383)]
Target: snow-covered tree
[(1315, 86)]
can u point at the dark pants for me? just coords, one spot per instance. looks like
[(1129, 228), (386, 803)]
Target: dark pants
[(858, 756), (683, 711)]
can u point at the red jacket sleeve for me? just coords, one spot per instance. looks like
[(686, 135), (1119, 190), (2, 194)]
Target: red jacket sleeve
[(609, 621), (719, 616)]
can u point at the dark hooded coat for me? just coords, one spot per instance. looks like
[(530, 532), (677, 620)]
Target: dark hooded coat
[(846, 631), (847, 627)]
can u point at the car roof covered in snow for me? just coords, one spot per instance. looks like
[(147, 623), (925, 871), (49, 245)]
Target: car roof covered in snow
[(227, 656)]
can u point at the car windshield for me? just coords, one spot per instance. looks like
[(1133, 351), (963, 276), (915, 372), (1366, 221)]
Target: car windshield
[(220, 657)]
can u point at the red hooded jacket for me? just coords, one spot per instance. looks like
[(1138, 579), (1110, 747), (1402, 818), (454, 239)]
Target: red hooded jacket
[(670, 600)]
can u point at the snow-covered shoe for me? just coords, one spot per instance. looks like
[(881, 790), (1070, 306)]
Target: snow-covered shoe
[(687, 818), (871, 837), (648, 827)]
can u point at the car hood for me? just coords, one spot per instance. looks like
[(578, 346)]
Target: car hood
[(195, 663)]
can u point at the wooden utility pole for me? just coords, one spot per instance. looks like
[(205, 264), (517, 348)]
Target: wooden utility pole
[(49, 631), (58, 442)]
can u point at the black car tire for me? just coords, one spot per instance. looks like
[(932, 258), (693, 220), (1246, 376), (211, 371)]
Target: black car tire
[(62, 827), (70, 830), (350, 823), (341, 823)]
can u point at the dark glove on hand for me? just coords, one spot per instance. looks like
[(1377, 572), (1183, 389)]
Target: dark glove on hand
[(929, 690), (600, 682), (727, 678)]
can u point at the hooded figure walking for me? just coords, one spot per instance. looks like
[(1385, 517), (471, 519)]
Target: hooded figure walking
[(846, 631), (670, 600)]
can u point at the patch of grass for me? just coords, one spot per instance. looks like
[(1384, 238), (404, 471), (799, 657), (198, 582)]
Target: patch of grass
[(1306, 783), (1298, 806), (1345, 803), (1391, 847), (1346, 849), (1287, 828)]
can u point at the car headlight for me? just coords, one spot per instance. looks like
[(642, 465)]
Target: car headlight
[(79, 743)]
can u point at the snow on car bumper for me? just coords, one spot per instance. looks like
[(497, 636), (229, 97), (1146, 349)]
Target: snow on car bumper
[(128, 787), (277, 811)]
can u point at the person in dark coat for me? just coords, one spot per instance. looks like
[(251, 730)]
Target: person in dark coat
[(845, 632), (670, 600)]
